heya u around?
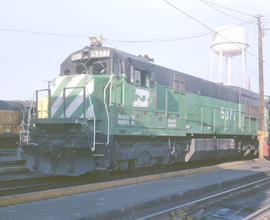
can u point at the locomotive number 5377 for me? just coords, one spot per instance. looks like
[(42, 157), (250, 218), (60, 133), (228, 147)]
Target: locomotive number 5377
[(227, 113)]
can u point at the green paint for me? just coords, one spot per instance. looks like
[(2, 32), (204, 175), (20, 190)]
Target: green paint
[(160, 111)]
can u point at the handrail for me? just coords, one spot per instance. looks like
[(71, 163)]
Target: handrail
[(22, 127), (48, 104), (94, 116), (106, 109), (64, 97), (29, 119)]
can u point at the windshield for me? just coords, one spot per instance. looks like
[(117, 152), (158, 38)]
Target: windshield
[(93, 66)]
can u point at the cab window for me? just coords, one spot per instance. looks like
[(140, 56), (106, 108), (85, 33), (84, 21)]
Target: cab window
[(116, 66), (139, 77), (99, 68)]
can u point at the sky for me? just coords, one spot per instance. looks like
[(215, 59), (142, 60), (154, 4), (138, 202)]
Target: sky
[(28, 60)]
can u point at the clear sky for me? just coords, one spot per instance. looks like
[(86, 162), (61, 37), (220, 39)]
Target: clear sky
[(28, 61)]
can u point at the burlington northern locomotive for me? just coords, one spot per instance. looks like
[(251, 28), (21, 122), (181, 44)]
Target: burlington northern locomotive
[(112, 110)]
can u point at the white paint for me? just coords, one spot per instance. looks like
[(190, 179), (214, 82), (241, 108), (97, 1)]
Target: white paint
[(143, 98), (211, 66), (56, 82), (79, 98), (73, 82), (220, 67), (191, 151), (76, 56), (100, 53), (172, 125), (123, 122), (74, 104), (244, 68), (229, 70), (123, 117), (227, 113), (229, 41)]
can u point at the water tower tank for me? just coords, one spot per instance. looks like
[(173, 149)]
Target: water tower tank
[(229, 41)]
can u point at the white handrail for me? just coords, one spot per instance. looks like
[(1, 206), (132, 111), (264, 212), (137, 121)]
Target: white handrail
[(94, 116), (106, 109), (22, 127), (29, 119)]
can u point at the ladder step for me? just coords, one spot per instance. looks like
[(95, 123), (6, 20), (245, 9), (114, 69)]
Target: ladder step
[(98, 155), (99, 143), (99, 131)]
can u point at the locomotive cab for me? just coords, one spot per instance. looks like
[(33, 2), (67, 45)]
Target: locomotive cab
[(95, 61)]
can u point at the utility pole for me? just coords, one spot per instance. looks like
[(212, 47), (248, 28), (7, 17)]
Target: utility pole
[(261, 131)]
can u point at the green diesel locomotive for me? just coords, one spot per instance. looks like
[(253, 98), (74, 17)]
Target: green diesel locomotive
[(112, 110)]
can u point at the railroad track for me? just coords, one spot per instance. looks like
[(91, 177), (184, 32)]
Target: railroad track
[(243, 202), (18, 183), (9, 163), (261, 214)]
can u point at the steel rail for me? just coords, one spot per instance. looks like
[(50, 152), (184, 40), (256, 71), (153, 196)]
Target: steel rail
[(203, 199), (258, 213)]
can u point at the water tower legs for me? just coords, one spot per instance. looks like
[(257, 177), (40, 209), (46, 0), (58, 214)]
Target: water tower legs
[(244, 68), (220, 67), (229, 70), (211, 66)]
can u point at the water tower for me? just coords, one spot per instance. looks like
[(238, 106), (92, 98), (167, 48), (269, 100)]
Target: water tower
[(229, 41)]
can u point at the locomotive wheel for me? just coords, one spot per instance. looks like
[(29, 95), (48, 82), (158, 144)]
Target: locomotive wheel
[(123, 165), (144, 159)]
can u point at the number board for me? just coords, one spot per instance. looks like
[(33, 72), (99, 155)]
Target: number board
[(99, 53), (76, 56)]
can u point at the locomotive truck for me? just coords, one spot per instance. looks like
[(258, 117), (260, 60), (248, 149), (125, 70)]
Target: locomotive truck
[(111, 110)]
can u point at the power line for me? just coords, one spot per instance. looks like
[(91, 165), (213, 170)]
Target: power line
[(153, 40), (220, 11), (209, 28), (172, 38), (128, 41), (230, 9), (42, 33), (168, 39), (191, 17), (160, 40)]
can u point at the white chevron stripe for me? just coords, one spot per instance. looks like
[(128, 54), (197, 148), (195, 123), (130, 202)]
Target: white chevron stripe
[(89, 114), (75, 104), (73, 82), (56, 82), (89, 88), (79, 99)]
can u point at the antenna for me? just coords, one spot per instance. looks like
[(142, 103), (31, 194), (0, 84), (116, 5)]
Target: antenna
[(95, 42)]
